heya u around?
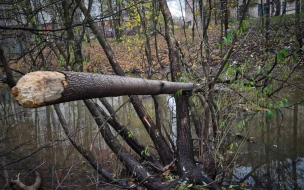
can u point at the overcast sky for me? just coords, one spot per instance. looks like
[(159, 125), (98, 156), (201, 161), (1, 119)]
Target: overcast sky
[(175, 7)]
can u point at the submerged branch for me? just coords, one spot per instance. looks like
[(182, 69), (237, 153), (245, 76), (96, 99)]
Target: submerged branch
[(35, 186), (85, 153)]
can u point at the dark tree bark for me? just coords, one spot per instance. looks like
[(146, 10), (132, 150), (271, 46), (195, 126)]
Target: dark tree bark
[(138, 170), (74, 40), (157, 112), (143, 22), (194, 23), (184, 144), (131, 140), (45, 88), (118, 20), (85, 153), (207, 20), (183, 140), (267, 24), (158, 139), (224, 8), (277, 7), (155, 14), (9, 75), (299, 36), (185, 157), (171, 42)]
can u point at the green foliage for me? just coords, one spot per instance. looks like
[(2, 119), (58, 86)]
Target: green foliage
[(279, 56), (277, 106), (270, 113), (228, 38), (61, 61), (261, 127), (242, 124), (231, 146), (219, 45), (247, 88), (130, 134), (235, 144), (169, 177), (225, 56), (178, 93), (218, 105), (146, 151), (223, 123), (183, 79), (268, 89), (242, 28)]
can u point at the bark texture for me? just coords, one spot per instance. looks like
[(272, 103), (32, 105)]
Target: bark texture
[(85, 153), (138, 170), (124, 132), (184, 144), (299, 35), (10, 79), (185, 158), (44, 87), (164, 151)]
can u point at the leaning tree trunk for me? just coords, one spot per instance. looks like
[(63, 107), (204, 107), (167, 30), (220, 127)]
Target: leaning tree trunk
[(88, 155), (185, 154), (164, 150), (138, 170), (184, 144), (42, 88), (185, 157), (299, 35), (124, 132)]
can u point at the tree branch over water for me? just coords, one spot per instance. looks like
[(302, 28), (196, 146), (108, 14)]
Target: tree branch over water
[(48, 87)]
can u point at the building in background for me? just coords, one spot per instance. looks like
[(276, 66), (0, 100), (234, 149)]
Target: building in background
[(193, 17)]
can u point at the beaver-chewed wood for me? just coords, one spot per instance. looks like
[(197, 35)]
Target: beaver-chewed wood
[(42, 88)]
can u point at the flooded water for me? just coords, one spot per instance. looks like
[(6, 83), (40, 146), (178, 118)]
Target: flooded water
[(33, 139), (276, 161)]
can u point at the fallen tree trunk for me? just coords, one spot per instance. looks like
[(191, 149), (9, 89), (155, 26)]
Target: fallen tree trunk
[(42, 88)]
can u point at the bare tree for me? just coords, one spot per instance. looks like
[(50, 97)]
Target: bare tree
[(200, 109)]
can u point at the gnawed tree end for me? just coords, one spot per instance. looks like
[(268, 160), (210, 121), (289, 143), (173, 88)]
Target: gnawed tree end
[(42, 88), (38, 88)]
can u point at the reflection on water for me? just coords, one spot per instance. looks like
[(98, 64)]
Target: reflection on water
[(33, 138), (276, 161)]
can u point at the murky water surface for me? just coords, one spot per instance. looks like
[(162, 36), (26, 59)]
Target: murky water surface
[(33, 139)]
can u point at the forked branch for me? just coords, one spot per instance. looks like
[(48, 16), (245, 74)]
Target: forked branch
[(35, 186)]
